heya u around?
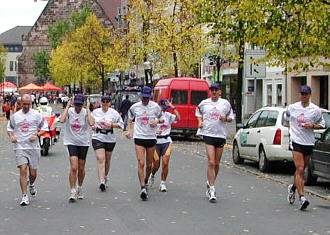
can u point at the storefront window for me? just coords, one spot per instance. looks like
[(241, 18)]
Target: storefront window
[(269, 95)]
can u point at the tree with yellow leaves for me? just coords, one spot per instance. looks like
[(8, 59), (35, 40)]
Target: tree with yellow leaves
[(2, 62)]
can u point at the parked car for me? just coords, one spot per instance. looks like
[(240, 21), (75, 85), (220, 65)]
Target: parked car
[(319, 163), (185, 94), (326, 117), (94, 98), (263, 138)]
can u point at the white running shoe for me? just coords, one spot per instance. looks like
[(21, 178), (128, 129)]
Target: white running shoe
[(207, 189), (144, 194), (80, 194), (212, 197), (151, 180), (73, 196), (303, 203), (291, 194), (162, 187), (25, 200), (32, 189)]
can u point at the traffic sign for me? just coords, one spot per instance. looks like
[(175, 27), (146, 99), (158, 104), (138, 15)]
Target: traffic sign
[(254, 69)]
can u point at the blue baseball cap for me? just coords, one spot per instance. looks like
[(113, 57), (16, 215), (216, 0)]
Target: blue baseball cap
[(162, 103), (106, 97), (305, 89), (146, 92), (215, 85), (79, 99)]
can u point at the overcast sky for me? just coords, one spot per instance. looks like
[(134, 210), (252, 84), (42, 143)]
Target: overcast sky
[(19, 12)]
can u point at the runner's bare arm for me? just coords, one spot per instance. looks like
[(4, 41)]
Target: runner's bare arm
[(65, 112)]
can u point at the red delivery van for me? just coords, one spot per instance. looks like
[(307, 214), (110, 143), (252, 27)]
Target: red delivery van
[(185, 94)]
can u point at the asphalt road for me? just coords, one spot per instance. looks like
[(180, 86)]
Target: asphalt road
[(247, 203)]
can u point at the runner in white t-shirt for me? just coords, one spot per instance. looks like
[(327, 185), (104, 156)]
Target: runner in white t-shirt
[(147, 115), (163, 146), (212, 115), (103, 139), (303, 118), (23, 132), (77, 139)]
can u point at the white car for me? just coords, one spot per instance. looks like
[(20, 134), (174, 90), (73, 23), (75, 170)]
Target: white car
[(263, 138)]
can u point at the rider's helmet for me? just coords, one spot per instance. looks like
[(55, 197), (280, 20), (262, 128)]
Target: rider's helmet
[(43, 101)]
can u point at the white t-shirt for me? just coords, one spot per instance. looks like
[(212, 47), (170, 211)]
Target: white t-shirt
[(77, 130), (25, 125), (298, 115), (210, 111), (144, 115), (101, 118), (165, 127)]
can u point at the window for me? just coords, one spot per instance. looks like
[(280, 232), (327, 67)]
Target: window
[(279, 94), (272, 118), (262, 119), (269, 95), (179, 96), (252, 121), (156, 94), (197, 97), (11, 66), (326, 117)]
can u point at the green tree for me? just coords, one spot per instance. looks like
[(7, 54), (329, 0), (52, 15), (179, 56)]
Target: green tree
[(41, 66), (2, 63)]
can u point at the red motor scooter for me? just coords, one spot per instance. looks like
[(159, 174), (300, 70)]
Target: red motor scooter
[(50, 137)]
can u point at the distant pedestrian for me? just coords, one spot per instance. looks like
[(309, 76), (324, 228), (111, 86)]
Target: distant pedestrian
[(77, 139), (164, 141), (23, 132), (303, 117), (213, 114), (124, 107), (147, 115), (104, 139)]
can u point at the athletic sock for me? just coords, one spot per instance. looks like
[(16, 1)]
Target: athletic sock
[(212, 187), (302, 195), (162, 182)]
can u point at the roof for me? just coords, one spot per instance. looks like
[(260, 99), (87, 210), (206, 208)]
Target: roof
[(110, 7), (14, 36)]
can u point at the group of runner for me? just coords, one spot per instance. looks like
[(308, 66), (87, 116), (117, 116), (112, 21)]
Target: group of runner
[(151, 130)]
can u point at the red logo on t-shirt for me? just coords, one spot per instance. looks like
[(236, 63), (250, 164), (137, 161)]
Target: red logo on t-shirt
[(144, 120), (25, 126), (76, 125), (214, 114)]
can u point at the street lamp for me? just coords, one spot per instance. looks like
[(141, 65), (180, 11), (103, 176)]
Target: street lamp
[(147, 71)]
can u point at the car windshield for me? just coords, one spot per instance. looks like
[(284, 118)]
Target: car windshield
[(326, 117)]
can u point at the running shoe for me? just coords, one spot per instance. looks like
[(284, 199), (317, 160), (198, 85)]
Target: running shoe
[(73, 196), (162, 187), (32, 189), (291, 194), (303, 203), (25, 201), (80, 194), (102, 186), (207, 189), (144, 194), (212, 197), (151, 180)]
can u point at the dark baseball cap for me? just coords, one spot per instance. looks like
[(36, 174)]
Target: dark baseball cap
[(106, 97), (79, 99), (146, 92), (162, 103), (215, 85), (305, 89)]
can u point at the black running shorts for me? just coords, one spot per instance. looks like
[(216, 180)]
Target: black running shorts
[(147, 143), (78, 151), (304, 149), (216, 142), (103, 145)]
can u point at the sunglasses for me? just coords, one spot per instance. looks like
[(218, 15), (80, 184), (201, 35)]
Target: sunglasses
[(105, 101)]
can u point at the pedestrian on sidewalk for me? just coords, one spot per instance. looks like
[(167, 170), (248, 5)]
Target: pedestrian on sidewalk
[(147, 115), (23, 132), (303, 117), (103, 138), (213, 114), (124, 107), (77, 139), (163, 146)]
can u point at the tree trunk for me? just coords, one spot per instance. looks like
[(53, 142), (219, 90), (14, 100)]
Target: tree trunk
[(240, 82), (175, 60)]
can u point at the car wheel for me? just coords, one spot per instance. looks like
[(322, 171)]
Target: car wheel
[(264, 164), (309, 178), (236, 157)]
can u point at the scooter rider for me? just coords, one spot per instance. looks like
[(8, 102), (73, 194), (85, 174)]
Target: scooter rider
[(44, 108)]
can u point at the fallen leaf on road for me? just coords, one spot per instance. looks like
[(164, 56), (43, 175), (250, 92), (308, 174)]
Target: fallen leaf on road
[(81, 226), (185, 212), (173, 222), (246, 230)]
